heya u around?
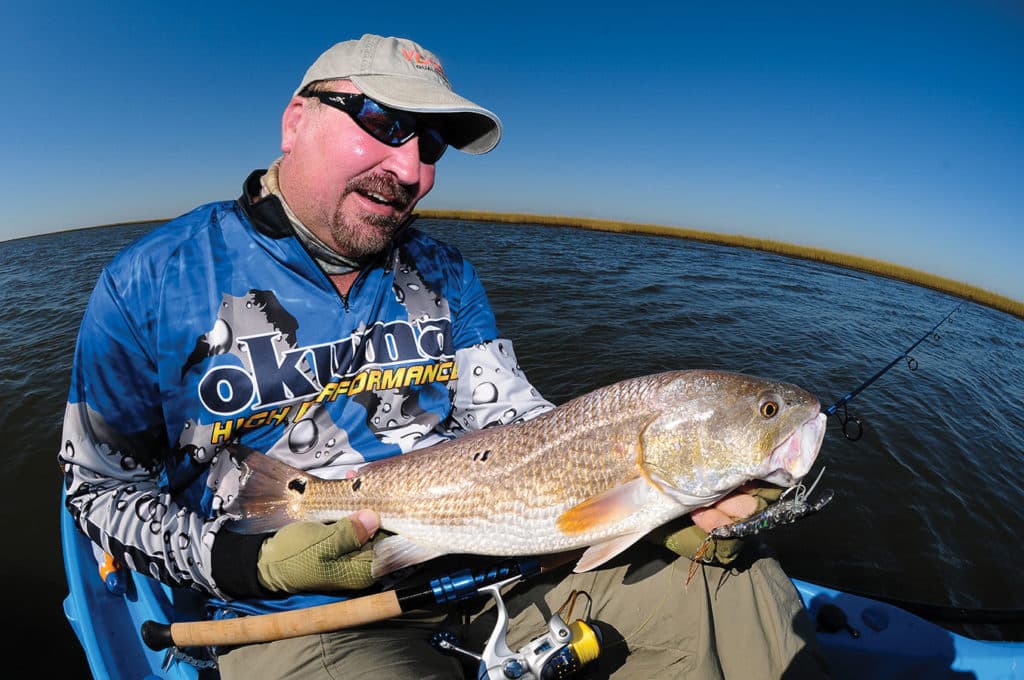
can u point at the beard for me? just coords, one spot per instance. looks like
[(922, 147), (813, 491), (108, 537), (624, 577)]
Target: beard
[(362, 235)]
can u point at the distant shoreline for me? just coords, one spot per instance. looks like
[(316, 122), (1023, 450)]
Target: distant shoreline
[(856, 262), (126, 223)]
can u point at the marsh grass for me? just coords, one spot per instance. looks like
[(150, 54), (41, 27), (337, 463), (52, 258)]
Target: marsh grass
[(865, 264)]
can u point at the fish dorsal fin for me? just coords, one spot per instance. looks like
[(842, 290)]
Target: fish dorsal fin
[(598, 554), (397, 552), (613, 505)]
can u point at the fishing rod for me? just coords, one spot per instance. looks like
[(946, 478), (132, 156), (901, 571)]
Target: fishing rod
[(559, 652), (845, 418), (344, 614)]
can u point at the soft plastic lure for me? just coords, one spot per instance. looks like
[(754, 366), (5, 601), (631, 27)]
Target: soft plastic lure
[(785, 511)]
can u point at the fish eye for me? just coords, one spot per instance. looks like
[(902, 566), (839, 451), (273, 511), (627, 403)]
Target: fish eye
[(769, 408)]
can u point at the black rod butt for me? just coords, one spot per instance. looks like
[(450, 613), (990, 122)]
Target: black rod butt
[(157, 635)]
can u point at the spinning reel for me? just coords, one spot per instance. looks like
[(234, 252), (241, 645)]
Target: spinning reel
[(560, 652)]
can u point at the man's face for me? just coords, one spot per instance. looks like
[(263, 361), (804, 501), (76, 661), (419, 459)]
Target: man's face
[(348, 188)]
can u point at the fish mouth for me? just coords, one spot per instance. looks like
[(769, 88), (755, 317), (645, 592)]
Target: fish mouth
[(793, 458)]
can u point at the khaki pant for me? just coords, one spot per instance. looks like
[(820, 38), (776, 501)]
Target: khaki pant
[(744, 623)]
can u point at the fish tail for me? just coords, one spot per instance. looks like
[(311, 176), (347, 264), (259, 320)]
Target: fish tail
[(268, 492)]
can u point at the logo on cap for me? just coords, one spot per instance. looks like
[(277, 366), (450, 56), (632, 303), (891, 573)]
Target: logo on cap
[(419, 61)]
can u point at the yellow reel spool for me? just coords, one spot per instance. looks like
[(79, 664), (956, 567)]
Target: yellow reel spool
[(585, 642)]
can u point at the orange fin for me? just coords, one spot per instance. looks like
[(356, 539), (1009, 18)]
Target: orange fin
[(613, 505), (598, 554)]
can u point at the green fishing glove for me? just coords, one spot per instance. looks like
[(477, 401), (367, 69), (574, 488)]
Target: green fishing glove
[(688, 540), (310, 556)]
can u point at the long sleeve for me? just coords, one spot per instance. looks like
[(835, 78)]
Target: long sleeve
[(115, 449), (492, 388)]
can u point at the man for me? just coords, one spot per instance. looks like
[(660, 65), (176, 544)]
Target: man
[(309, 321)]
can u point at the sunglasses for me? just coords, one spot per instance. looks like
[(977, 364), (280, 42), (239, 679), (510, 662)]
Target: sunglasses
[(385, 124)]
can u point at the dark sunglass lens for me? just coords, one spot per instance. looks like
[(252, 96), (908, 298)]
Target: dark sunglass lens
[(432, 145), (395, 128), (389, 126)]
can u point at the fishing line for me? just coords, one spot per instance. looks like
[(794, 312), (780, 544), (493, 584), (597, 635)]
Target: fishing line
[(845, 418)]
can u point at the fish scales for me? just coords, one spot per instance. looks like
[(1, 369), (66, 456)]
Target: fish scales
[(599, 471), (560, 458)]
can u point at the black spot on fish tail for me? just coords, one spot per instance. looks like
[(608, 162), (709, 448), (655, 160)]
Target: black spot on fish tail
[(266, 488), (356, 484), (481, 455)]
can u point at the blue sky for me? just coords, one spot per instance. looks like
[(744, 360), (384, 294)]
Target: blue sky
[(893, 130)]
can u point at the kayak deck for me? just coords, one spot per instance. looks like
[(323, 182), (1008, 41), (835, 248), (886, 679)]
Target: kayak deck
[(884, 641)]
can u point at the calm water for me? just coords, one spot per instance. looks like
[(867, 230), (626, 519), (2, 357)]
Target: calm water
[(928, 503)]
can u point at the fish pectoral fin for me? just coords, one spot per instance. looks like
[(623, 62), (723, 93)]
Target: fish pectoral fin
[(613, 505), (598, 554), (397, 552)]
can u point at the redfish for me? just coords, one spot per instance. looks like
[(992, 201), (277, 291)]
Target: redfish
[(598, 472)]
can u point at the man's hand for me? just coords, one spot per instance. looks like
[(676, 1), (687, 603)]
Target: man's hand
[(310, 556), (688, 540)]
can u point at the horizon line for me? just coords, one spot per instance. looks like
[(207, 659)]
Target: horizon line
[(869, 265), (861, 263)]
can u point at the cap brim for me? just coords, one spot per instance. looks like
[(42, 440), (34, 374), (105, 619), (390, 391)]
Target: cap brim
[(466, 126)]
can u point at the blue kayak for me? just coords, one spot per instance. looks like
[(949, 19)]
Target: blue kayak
[(107, 621), (869, 638), (873, 639)]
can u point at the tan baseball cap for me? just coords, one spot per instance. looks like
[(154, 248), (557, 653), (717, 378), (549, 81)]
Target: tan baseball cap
[(399, 73)]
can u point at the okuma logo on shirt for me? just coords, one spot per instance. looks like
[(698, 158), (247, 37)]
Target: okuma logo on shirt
[(277, 375)]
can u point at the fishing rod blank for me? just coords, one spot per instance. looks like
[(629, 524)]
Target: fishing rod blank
[(845, 418)]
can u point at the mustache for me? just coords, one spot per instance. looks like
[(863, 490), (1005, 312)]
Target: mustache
[(398, 195)]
